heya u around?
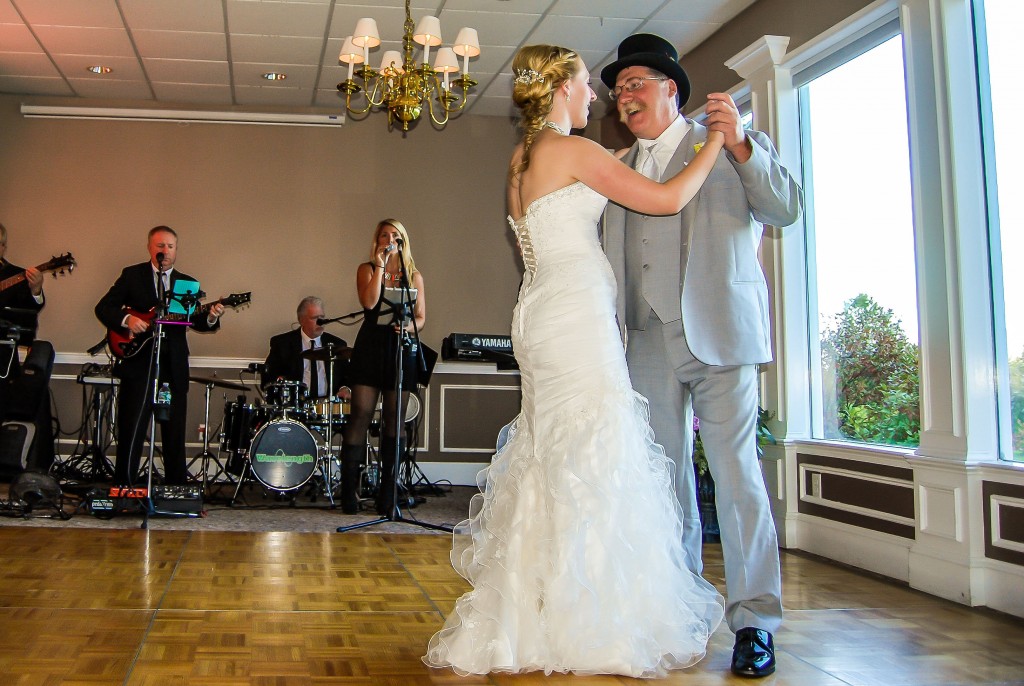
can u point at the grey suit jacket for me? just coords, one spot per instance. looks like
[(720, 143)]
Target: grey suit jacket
[(723, 296)]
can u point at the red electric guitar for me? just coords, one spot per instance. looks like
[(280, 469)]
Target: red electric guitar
[(57, 265), (124, 344)]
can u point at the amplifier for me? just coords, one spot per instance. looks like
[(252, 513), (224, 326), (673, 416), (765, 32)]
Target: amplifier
[(479, 347), (173, 498)]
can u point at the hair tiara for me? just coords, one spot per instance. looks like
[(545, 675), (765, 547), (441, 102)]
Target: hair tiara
[(527, 76)]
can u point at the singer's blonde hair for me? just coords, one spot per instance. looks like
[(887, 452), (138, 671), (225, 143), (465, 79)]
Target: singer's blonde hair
[(410, 263)]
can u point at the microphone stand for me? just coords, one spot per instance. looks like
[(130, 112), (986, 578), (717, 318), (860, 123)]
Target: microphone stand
[(400, 310), (159, 320)]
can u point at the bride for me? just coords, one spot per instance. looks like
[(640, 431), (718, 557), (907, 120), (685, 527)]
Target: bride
[(574, 547)]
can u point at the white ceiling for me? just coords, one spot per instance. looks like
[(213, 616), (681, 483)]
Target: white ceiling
[(213, 52)]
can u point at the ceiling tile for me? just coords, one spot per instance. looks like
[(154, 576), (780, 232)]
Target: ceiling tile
[(493, 28), (179, 15), (588, 33), (97, 13), (702, 11), (69, 40), (188, 71), (118, 90), (684, 35), (285, 97), (27, 64), (277, 18), (34, 85), (279, 49), (182, 45), (638, 9), (192, 93), (17, 38), (7, 13)]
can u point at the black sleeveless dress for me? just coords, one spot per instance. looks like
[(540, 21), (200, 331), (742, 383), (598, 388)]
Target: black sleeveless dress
[(373, 357)]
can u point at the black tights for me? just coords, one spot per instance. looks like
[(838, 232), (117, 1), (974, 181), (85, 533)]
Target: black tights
[(364, 403)]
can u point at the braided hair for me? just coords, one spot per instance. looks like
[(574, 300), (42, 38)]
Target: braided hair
[(538, 71)]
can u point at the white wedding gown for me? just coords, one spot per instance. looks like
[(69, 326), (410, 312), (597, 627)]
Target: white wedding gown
[(574, 544)]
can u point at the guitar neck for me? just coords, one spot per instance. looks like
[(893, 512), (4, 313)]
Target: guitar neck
[(12, 281)]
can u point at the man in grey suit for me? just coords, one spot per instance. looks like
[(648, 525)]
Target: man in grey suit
[(694, 302)]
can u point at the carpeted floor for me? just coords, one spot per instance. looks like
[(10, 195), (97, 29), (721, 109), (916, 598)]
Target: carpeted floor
[(256, 509)]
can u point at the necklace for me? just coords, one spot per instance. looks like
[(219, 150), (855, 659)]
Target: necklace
[(556, 128)]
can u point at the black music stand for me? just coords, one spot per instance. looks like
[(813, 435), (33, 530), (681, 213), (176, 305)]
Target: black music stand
[(402, 304)]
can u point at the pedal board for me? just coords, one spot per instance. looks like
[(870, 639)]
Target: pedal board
[(179, 499)]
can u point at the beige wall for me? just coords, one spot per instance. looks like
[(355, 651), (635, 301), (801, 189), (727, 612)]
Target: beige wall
[(281, 211)]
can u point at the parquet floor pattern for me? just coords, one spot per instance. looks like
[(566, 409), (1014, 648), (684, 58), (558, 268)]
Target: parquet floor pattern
[(160, 608)]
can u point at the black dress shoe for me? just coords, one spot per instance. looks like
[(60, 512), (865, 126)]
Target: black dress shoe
[(753, 654)]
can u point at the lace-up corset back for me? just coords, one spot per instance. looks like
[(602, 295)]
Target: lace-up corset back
[(560, 228)]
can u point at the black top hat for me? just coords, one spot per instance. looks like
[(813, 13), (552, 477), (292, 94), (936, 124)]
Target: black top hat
[(649, 50)]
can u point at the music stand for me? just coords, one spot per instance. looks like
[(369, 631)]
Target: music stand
[(402, 301)]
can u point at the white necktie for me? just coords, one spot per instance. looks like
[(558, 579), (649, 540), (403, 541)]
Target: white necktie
[(647, 163)]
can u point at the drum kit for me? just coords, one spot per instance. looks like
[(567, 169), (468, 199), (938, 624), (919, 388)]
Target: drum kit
[(287, 440), (284, 442)]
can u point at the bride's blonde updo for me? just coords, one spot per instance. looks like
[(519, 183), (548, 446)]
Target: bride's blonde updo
[(537, 72)]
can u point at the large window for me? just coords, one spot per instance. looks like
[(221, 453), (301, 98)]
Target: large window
[(998, 28), (863, 318)]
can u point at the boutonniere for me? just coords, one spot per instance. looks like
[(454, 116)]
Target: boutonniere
[(697, 147)]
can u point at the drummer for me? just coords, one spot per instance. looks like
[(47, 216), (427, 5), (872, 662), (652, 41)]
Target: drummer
[(293, 358)]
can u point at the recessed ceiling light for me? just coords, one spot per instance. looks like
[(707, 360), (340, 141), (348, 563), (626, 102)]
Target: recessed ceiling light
[(275, 76), (98, 69)]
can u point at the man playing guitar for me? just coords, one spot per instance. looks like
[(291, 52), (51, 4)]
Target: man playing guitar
[(136, 290), (27, 295)]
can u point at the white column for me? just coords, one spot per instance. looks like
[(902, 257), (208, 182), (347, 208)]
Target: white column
[(958, 367)]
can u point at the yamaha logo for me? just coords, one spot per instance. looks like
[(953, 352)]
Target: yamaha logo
[(476, 342)]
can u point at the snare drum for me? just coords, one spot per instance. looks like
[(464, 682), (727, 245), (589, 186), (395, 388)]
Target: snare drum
[(326, 409), (283, 454), (287, 397)]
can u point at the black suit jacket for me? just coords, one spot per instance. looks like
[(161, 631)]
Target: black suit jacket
[(285, 361), (19, 296), (135, 288)]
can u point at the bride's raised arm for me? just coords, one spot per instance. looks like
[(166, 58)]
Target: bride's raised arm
[(606, 174)]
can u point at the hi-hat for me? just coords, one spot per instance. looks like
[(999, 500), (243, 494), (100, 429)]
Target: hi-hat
[(222, 383), (339, 352)]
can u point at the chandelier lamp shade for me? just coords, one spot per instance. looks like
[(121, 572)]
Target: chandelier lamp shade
[(401, 85)]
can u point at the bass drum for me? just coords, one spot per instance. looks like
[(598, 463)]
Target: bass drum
[(283, 455)]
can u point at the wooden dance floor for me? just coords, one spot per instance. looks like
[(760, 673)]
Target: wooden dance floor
[(95, 606)]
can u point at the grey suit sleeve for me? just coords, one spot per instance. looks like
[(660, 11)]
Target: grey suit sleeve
[(773, 194)]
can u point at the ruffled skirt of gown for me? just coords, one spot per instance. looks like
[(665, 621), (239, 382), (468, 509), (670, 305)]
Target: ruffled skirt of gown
[(573, 547)]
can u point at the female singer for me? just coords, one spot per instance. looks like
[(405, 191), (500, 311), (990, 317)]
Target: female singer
[(373, 369)]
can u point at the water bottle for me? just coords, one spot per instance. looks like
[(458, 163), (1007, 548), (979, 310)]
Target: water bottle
[(162, 408)]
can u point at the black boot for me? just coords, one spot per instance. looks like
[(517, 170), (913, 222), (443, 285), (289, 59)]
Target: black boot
[(352, 457), (386, 493)]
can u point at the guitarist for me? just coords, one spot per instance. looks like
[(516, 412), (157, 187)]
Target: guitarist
[(136, 290), (27, 295)]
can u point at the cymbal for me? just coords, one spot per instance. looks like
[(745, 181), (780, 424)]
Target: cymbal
[(341, 352), (221, 383)]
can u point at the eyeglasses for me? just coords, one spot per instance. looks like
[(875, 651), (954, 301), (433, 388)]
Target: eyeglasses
[(632, 85)]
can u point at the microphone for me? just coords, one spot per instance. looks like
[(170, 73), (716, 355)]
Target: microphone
[(321, 321), (389, 247), (159, 258), (400, 242)]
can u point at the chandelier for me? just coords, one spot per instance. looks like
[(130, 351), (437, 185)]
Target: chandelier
[(401, 86)]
